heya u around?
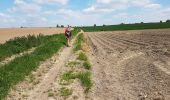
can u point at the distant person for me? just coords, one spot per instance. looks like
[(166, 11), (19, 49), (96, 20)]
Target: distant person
[(68, 35)]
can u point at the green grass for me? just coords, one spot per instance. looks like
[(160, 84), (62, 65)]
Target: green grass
[(72, 63), (75, 31), (20, 44), (65, 92), (78, 43), (87, 65), (50, 94), (16, 71), (126, 27), (82, 56), (69, 75), (84, 77)]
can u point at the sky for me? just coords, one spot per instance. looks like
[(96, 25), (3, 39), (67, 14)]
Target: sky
[(46, 13)]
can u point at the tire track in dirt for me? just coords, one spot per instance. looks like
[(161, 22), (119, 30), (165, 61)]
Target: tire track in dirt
[(130, 75), (119, 48), (158, 49), (39, 93), (105, 86)]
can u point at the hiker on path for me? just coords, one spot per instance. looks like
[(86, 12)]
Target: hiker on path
[(68, 35)]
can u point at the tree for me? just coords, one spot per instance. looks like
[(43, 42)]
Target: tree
[(94, 25), (122, 24), (62, 26), (168, 21), (57, 26), (142, 22), (161, 21)]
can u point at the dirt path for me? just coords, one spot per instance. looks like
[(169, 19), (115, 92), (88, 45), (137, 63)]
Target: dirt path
[(39, 92), (37, 85), (130, 66)]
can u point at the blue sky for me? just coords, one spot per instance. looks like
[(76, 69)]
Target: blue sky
[(38, 13)]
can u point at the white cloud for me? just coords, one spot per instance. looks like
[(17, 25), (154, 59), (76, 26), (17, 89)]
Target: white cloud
[(2, 15), (6, 18), (62, 2), (95, 9), (153, 6), (32, 13), (104, 1), (25, 7), (108, 6)]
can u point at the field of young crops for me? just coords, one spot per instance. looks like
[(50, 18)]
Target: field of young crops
[(138, 26)]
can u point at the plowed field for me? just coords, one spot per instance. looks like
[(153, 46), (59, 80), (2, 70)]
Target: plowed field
[(131, 65)]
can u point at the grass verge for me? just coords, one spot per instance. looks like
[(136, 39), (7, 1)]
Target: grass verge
[(87, 65), (72, 63), (20, 44), (78, 43), (65, 92), (84, 77), (15, 71), (82, 56)]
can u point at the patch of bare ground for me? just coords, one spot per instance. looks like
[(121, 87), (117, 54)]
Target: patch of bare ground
[(130, 65), (73, 85), (68, 79)]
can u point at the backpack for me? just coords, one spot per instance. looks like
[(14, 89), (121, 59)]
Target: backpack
[(68, 33)]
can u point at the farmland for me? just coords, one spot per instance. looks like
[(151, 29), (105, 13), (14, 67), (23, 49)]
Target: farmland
[(10, 33), (131, 65), (112, 65), (137, 26)]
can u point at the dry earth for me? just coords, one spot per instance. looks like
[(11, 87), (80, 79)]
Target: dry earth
[(127, 65), (10, 33), (44, 83), (131, 65)]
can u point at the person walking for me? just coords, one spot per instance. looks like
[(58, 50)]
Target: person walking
[(68, 35)]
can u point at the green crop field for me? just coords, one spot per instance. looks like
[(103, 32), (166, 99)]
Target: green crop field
[(127, 27)]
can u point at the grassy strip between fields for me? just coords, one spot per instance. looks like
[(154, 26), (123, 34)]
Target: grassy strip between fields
[(126, 27), (83, 76), (78, 43), (20, 44), (15, 71)]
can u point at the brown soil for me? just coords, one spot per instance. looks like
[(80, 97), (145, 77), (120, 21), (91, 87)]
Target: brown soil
[(6, 33), (130, 65)]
